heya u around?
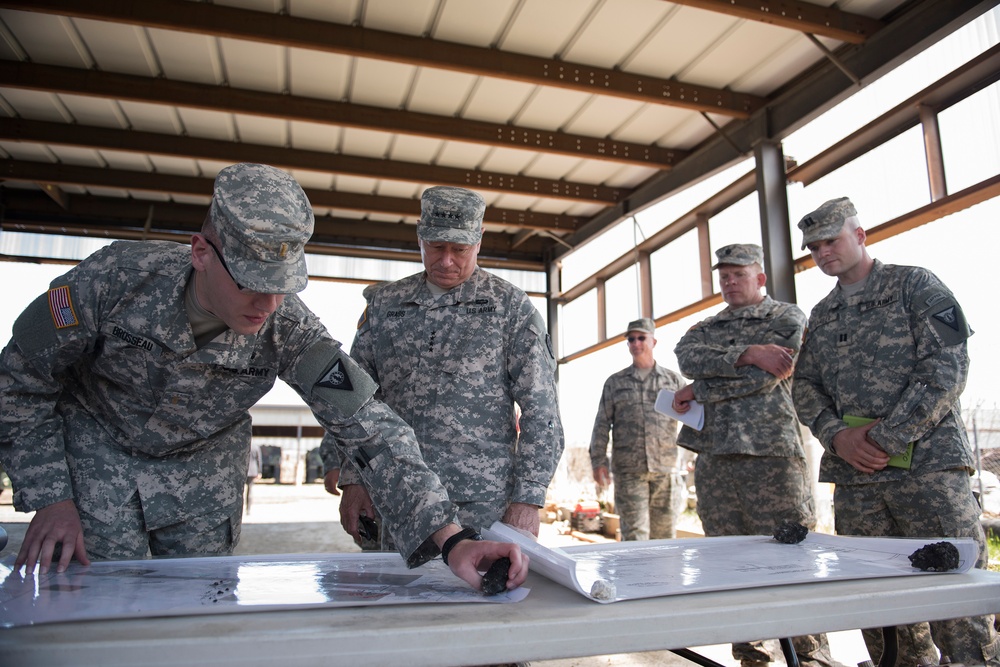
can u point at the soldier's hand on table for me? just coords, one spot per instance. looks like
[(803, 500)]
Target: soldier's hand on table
[(522, 516), (682, 400), (469, 558), (330, 480), (355, 503), (774, 359), (56, 524), (854, 446)]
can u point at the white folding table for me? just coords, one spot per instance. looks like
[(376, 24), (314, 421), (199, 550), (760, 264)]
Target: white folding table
[(553, 622)]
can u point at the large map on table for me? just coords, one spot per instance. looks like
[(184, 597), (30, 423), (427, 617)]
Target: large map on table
[(616, 571), (190, 586), (606, 573)]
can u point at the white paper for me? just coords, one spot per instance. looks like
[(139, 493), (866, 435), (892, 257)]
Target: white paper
[(192, 586), (615, 571), (605, 573), (695, 417)]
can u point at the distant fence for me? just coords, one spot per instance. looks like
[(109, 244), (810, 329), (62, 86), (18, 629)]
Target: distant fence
[(983, 426)]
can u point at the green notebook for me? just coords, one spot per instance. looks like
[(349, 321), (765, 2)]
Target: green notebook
[(899, 460)]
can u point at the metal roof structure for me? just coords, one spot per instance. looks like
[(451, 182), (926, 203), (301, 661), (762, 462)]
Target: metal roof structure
[(568, 115)]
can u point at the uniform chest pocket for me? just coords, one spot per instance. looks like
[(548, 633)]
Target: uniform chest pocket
[(883, 332), (476, 372), (125, 360), (213, 400)]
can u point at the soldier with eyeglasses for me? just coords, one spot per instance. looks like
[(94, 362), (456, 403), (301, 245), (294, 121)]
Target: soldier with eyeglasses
[(643, 456), (126, 388)]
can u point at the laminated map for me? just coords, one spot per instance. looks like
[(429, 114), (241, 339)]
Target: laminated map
[(606, 573)]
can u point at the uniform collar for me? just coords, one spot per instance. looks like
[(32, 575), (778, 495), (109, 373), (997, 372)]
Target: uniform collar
[(229, 349), (874, 286), (462, 294), (763, 306), (174, 331)]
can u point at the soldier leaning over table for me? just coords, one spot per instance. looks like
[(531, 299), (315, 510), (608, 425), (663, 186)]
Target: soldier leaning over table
[(125, 394), (456, 351)]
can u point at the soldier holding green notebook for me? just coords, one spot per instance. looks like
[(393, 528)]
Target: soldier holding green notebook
[(881, 369)]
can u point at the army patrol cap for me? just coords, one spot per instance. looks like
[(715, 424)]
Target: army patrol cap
[(643, 324), (826, 221), (452, 215), (263, 220), (740, 254)]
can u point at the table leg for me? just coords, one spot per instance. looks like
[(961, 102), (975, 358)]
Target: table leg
[(696, 658), (890, 647), (788, 651)]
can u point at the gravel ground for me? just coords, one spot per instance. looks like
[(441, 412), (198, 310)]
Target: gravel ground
[(305, 519)]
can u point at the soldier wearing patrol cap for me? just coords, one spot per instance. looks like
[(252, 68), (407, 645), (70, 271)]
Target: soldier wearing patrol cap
[(878, 383), (751, 469), (125, 390), (456, 351), (643, 441)]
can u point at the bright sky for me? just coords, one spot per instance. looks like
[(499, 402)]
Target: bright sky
[(959, 248)]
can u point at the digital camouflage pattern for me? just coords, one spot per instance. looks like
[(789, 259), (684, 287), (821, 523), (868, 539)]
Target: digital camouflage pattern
[(453, 367), (826, 221), (643, 457), (751, 471), (739, 254), (103, 394), (897, 351), (263, 220), (647, 504), (642, 439), (643, 324), (946, 509), (452, 215), (747, 410), (740, 494)]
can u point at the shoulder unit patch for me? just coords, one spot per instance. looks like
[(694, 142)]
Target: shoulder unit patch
[(336, 378)]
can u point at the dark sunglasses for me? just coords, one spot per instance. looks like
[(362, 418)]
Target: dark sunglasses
[(632, 339)]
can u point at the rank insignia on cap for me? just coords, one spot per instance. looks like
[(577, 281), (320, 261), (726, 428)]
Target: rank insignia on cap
[(61, 307), (336, 378)]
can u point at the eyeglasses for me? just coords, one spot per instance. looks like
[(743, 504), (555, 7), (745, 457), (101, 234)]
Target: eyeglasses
[(632, 339), (218, 254)]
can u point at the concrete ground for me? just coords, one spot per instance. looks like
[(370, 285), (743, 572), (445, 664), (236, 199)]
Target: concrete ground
[(286, 519)]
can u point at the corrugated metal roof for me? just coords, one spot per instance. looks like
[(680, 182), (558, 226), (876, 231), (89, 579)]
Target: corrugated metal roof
[(566, 114)]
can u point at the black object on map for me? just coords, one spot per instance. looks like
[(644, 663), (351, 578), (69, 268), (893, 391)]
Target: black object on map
[(937, 557), (790, 533), (495, 579)]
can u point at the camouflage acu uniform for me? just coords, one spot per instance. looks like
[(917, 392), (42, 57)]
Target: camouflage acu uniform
[(897, 351), (106, 399), (751, 471), (453, 367), (643, 451)]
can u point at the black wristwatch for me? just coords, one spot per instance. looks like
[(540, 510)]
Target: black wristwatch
[(464, 534)]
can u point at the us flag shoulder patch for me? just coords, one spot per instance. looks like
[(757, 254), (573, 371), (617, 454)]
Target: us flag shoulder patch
[(61, 307)]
